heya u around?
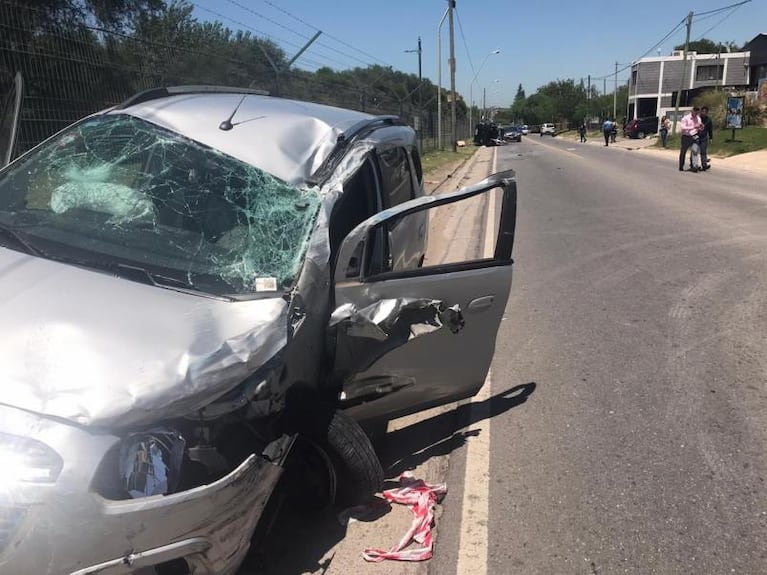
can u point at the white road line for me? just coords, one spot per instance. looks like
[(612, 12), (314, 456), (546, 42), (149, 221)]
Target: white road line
[(472, 547)]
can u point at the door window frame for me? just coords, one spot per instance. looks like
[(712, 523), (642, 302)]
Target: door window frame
[(364, 233)]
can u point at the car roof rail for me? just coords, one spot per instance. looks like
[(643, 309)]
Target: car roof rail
[(355, 131), (167, 91), (368, 125)]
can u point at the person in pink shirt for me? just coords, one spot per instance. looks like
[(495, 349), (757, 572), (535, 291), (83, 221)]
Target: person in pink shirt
[(691, 125)]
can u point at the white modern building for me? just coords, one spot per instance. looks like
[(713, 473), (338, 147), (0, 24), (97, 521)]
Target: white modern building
[(656, 82)]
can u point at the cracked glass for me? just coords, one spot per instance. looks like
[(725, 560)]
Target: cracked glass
[(120, 193)]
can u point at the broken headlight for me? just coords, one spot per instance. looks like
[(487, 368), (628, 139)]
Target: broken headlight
[(25, 460), (149, 463)]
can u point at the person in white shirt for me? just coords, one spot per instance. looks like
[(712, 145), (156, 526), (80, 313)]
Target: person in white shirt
[(691, 126)]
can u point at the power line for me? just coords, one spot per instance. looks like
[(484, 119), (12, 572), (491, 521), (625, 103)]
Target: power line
[(247, 9), (276, 40), (342, 53), (326, 34), (737, 5), (262, 33), (466, 47), (720, 21), (304, 36), (656, 45)]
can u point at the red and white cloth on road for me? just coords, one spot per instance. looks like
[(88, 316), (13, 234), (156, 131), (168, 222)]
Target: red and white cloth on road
[(421, 497)]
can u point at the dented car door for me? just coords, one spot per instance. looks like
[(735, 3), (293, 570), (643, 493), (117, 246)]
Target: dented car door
[(410, 339)]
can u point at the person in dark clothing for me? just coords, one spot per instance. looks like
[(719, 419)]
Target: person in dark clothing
[(706, 136), (582, 132), (607, 128)]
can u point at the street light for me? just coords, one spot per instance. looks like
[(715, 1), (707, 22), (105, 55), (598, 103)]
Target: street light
[(471, 88)]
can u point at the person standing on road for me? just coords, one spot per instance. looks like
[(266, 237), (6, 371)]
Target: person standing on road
[(613, 131), (691, 127), (582, 131), (706, 136), (607, 128), (664, 126)]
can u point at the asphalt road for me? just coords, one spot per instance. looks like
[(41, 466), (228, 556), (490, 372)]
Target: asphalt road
[(635, 436), (626, 413)]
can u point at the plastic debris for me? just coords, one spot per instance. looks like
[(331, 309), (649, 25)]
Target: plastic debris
[(421, 497)]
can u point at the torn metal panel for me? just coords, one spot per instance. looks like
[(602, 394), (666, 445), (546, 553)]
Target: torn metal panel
[(364, 336)]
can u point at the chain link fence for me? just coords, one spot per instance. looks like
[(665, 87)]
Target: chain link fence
[(72, 70)]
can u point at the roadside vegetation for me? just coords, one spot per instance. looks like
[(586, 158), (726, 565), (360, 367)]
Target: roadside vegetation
[(749, 139), (439, 158)]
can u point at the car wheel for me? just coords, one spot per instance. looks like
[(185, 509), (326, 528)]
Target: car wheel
[(323, 430), (360, 474), (641, 135)]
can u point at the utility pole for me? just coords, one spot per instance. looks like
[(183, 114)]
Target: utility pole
[(684, 72), (439, 79), (451, 8), (615, 93), (418, 126), (484, 104), (588, 102), (420, 99)]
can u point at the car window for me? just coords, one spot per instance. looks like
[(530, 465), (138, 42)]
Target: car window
[(396, 181), (117, 188)]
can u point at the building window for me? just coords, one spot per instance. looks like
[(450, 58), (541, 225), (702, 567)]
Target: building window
[(634, 74), (707, 73)]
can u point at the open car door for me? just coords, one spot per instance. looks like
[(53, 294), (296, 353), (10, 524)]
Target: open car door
[(10, 108), (411, 339)]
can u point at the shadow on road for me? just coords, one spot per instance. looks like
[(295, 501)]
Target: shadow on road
[(299, 541), (410, 446)]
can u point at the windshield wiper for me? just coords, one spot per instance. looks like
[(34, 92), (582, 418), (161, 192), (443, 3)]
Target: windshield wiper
[(21, 242), (142, 275)]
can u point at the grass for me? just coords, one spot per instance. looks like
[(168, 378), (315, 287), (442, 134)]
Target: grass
[(438, 158), (749, 139)]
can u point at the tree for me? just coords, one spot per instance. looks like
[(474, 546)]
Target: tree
[(706, 46), (518, 106)]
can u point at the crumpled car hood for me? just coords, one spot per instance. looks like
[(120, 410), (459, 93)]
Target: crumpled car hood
[(103, 351)]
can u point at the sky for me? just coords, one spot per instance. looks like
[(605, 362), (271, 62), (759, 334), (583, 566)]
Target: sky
[(539, 41)]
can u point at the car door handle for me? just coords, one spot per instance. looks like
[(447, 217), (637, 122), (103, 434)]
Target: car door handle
[(481, 303)]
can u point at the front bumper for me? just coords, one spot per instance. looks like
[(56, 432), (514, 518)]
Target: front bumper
[(66, 528)]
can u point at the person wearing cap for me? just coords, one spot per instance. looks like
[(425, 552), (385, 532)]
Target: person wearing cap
[(691, 128)]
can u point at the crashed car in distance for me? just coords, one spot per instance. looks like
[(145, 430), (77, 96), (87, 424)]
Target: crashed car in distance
[(206, 288), (512, 134)]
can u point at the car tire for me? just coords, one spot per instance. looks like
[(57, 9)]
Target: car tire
[(641, 135), (360, 475)]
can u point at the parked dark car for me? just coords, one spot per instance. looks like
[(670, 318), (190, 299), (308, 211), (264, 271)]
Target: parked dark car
[(512, 134), (641, 127)]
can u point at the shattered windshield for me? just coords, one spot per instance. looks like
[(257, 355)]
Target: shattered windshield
[(115, 189)]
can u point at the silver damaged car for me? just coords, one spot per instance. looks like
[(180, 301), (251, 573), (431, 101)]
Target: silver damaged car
[(207, 291)]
